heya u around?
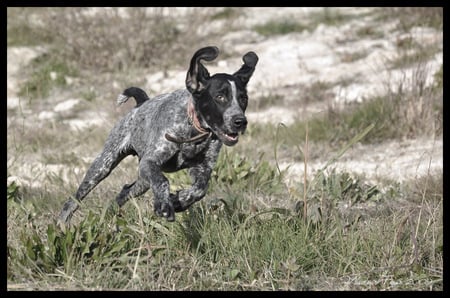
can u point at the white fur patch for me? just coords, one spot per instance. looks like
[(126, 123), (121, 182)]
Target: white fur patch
[(233, 90)]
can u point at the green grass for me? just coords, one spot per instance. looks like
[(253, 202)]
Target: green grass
[(338, 126), (230, 242), (226, 245)]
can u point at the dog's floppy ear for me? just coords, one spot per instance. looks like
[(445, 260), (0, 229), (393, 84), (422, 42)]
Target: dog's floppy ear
[(246, 71), (197, 74)]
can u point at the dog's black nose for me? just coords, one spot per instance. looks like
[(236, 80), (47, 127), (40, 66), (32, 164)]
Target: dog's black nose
[(239, 122)]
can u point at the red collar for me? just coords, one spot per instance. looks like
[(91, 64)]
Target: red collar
[(193, 119)]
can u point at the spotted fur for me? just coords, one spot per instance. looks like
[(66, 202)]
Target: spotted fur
[(149, 131)]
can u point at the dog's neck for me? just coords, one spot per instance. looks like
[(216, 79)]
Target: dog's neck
[(193, 120)]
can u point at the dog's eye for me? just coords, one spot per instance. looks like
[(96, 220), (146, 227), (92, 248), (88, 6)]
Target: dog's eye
[(243, 99), (220, 98)]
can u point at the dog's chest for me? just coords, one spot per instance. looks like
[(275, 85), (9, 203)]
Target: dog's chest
[(190, 154)]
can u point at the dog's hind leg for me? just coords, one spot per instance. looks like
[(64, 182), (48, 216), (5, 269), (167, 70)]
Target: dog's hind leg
[(132, 190), (99, 170)]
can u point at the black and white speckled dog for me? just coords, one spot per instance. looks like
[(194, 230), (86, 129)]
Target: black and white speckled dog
[(183, 129)]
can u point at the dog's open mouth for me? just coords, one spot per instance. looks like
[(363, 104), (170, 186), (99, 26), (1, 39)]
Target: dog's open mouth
[(229, 138)]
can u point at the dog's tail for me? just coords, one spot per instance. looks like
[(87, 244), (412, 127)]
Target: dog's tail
[(139, 95)]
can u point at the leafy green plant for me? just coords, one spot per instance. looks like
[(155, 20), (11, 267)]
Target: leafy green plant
[(343, 187), (239, 172), (326, 194), (92, 241)]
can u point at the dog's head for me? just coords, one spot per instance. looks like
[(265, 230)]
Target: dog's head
[(220, 100)]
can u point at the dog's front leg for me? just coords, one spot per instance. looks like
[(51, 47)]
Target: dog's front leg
[(183, 199), (151, 172)]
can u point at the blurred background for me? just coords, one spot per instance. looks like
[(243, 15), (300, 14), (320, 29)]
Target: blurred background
[(67, 65)]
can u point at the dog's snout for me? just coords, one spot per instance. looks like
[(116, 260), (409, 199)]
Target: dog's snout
[(239, 122)]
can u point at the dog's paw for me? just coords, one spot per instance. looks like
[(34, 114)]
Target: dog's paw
[(66, 213), (165, 209), (175, 200)]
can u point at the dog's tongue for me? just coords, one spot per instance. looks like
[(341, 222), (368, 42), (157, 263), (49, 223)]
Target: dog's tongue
[(232, 136)]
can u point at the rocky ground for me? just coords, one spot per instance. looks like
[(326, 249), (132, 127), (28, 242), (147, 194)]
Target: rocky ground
[(353, 67)]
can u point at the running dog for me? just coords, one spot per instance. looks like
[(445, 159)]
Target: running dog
[(174, 131)]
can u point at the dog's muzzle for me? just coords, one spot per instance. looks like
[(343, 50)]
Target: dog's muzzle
[(230, 135)]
